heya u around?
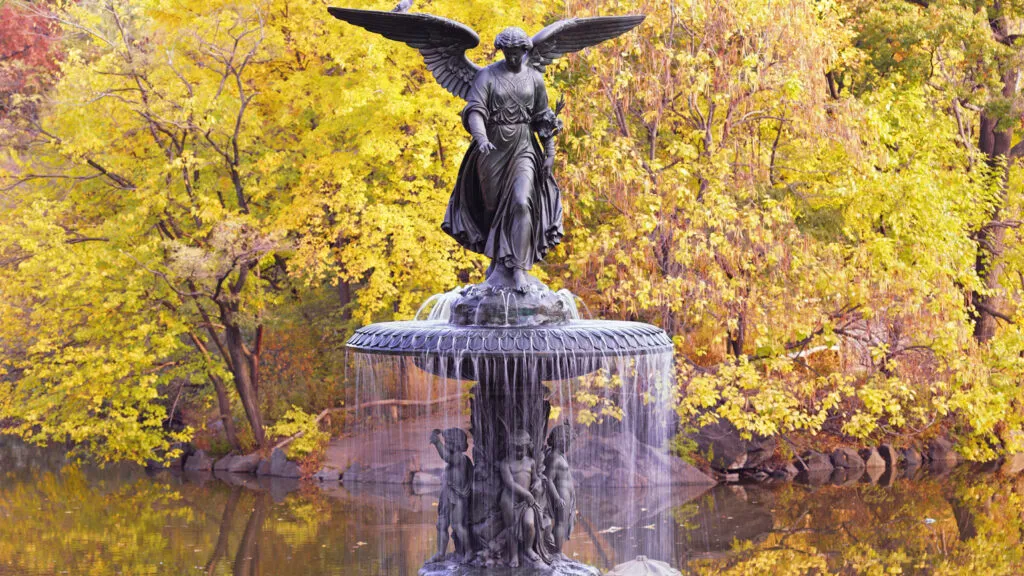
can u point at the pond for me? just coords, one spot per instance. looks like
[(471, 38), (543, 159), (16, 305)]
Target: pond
[(58, 518)]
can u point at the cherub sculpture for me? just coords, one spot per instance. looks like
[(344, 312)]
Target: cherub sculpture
[(561, 489), (506, 204), (520, 509), (454, 506)]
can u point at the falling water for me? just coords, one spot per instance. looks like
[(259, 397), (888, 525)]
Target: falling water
[(620, 406), (439, 306)]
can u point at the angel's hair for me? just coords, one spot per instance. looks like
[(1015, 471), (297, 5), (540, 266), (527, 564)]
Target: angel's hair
[(512, 37)]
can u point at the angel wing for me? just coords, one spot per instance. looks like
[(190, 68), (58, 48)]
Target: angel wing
[(442, 42), (575, 34)]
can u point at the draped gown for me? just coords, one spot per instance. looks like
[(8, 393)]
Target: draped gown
[(505, 205)]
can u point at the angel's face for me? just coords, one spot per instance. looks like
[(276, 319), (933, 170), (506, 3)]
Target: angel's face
[(514, 58)]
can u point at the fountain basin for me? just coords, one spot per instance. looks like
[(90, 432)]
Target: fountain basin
[(577, 338)]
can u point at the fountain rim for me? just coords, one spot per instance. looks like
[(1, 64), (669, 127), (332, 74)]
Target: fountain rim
[(573, 339)]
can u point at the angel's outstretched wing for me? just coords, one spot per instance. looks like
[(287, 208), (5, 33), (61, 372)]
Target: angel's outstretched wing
[(575, 34), (442, 42)]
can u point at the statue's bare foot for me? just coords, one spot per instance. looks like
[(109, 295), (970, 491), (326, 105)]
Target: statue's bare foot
[(499, 276), (439, 557), (520, 279), (514, 562), (532, 556)]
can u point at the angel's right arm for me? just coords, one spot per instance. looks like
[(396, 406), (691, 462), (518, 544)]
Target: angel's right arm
[(477, 127), (475, 114)]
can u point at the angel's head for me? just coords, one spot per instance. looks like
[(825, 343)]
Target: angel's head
[(514, 43)]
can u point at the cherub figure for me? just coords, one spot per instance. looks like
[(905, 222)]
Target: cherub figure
[(454, 507), (561, 489), (522, 514)]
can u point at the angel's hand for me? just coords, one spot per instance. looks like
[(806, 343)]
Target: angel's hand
[(486, 147), (549, 164)]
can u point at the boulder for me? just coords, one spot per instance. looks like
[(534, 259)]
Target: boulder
[(245, 464), (399, 471), (225, 462), (726, 450), (787, 472), (622, 460), (889, 455), (846, 458), (1013, 464), (427, 479), (872, 459), (911, 457), (328, 476), (814, 467), (199, 461), (263, 469), (941, 450), (281, 467)]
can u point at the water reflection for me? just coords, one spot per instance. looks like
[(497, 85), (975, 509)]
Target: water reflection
[(122, 520)]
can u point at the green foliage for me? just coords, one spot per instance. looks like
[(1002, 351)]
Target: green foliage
[(310, 439)]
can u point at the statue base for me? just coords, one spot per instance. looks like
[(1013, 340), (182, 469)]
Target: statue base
[(560, 567), (503, 306)]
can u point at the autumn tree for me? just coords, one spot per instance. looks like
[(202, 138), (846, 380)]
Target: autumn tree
[(205, 166)]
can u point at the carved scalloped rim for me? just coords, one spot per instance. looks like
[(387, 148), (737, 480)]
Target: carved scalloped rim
[(587, 338)]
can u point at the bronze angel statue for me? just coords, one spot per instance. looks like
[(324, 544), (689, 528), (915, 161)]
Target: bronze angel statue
[(506, 204)]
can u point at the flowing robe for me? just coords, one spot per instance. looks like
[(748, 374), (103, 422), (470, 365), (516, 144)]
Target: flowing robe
[(499, 194)]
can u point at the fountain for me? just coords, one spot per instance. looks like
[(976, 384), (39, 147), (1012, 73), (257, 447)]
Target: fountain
[(511, 344)]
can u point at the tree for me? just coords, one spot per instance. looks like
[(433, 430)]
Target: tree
[(204, 166)]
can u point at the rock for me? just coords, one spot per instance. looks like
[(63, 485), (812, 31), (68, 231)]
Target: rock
[(199, 461), (397, 472), (426, 478), (872, 460), (1013, 464), (603, 461), (941, 450), (721, 442), (245, 464), (328, 476), (263, 469), (889, 455), (281, 467), (787, 472), (225, 462), (815, 468), (812, 461), (846, 458), (911, 457), (644, 566)]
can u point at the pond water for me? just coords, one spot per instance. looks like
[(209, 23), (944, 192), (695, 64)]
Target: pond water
[(57, 518)]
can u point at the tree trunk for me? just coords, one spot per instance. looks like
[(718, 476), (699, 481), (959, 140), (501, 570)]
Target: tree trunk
[(224, 407), (995, 144), (244, 382), (735, 340)]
